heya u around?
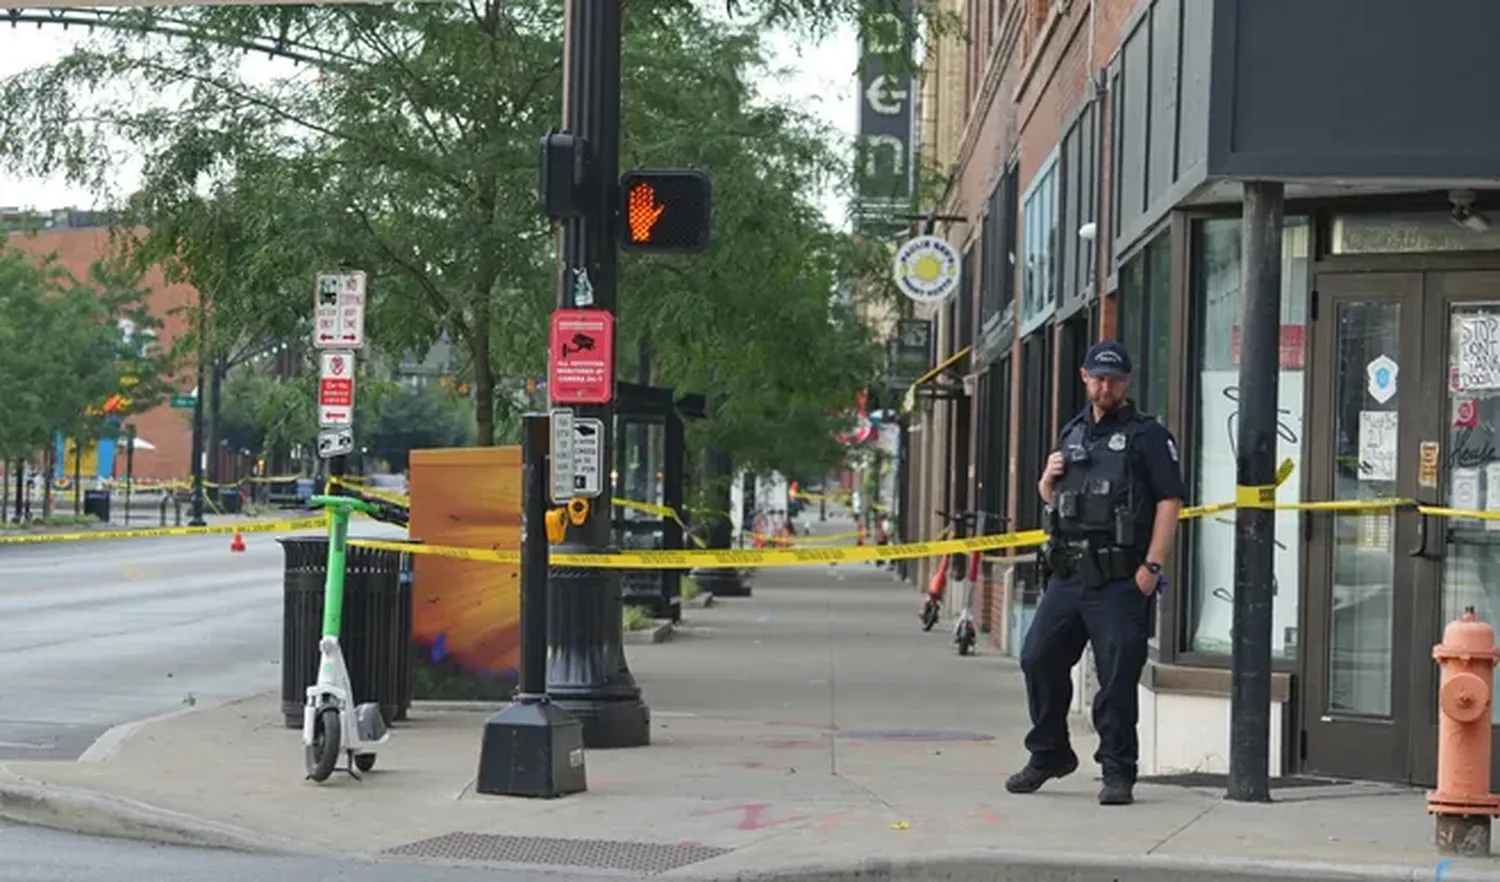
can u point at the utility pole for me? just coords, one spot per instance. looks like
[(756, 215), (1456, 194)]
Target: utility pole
[(1255, 528), (587, 674)]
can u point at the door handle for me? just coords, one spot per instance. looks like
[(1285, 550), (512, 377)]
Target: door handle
[(1424, 528)]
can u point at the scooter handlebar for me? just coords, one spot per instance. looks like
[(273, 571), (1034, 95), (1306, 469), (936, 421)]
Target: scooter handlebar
[(352, 503)]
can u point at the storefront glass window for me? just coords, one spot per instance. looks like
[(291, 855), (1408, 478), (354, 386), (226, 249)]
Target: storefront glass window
[(1217, 301), (1039, 249)]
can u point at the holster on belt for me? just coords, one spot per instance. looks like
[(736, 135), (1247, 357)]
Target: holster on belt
[(1109, 563)]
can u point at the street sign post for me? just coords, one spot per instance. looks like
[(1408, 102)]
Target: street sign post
[(582, 369), (588, 457), (336, 390), (339, 311), (335, 442), (562, 455)]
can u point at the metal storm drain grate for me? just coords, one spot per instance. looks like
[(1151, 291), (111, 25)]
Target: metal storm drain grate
[(597, 854), (914, 735)]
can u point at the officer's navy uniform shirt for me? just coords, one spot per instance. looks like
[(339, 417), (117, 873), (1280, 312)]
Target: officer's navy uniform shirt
[(1153, 457)]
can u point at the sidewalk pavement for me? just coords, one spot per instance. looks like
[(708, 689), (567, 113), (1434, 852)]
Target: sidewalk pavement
[(812, 731)]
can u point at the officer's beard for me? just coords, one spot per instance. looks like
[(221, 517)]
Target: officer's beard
[(1106, 400)]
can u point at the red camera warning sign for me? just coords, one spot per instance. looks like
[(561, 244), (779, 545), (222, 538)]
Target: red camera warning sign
[(582, 367)]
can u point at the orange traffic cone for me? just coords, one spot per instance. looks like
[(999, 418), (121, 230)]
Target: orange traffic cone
[(237, 543)]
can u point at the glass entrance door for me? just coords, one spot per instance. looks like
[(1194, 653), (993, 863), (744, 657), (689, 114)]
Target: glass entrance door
[(1367, 379), (1407, 369), (1458, 564)]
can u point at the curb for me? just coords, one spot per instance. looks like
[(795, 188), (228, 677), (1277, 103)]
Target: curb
[(1013, 866), (661, 632), (89, 813)]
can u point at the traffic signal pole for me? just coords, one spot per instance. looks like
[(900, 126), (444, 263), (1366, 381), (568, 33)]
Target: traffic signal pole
[(586, 673)]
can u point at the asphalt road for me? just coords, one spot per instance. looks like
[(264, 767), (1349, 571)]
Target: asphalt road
[(33, 855), (98, 633)]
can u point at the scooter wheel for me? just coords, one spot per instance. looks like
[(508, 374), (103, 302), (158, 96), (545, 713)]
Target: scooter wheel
[(364, 761), (323, 753), (929, 616)]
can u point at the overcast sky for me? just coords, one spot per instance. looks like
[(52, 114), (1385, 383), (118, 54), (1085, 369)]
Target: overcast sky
[(823, 83)]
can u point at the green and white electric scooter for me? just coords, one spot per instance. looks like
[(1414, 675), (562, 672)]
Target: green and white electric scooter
[(331, 720)]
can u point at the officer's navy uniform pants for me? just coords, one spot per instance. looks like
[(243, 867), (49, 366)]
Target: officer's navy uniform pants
[(1117, 619)]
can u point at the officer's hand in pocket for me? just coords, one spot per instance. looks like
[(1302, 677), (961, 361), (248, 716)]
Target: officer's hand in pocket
[(1054, 468), (1146, 580)]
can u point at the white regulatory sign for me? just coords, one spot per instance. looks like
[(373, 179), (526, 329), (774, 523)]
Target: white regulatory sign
[(588, 456), (562, 455), (339, 311), (336, 389), (335, 442)]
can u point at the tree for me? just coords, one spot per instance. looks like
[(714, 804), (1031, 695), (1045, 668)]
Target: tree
[(68, 347), (416, 418), (413, 155)]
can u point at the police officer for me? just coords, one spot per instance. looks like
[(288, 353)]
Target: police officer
[(1113, 491)]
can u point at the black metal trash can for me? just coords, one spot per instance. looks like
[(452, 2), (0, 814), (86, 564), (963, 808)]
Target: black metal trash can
[(96, 503), (230, 500), (376, 632)]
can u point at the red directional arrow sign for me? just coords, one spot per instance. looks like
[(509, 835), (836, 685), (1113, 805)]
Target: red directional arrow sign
[(583, 357)]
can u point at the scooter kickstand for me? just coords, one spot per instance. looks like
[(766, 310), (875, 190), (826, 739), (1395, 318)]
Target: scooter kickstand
[(353, 773)]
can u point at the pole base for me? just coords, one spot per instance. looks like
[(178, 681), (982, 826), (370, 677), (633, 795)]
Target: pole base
[(610, 724), (532, 749), (722, 582), (1463, 835)]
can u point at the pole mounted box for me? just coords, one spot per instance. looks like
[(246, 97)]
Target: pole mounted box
[(665, 211), (562, 172)]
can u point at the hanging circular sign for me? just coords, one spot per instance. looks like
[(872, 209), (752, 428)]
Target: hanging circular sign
[(926, 269)]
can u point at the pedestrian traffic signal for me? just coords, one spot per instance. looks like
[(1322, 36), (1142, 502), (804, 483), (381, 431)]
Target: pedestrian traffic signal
[(664, 211)]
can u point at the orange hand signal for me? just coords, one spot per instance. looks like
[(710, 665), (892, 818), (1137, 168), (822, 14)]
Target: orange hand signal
[(643, 212)]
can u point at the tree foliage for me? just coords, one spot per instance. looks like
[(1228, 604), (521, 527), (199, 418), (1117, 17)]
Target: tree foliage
[(411, 153), (67, 346)]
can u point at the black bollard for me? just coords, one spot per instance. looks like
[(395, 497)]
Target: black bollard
[(533, 747)]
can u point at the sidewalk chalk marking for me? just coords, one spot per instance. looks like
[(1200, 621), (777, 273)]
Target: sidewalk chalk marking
[(753, 816)]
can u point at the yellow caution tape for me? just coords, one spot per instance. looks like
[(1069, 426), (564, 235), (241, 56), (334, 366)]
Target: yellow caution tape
[(1255, 497), (362, 490), (727, 558), (157, 532)]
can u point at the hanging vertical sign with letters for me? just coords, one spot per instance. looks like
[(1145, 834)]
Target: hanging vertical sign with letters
[(886, 96)]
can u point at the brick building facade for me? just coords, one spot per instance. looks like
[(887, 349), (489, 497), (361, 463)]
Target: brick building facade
[(78, 242), (1104, 149)]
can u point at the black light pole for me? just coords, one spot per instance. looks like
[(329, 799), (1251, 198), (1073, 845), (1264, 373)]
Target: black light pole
[(587, 673), (532, 747), (195, 509), (129, 468), (1255, 528)]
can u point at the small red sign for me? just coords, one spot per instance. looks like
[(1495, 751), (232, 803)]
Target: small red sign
[(1467, 415), (336, 392), (582, 367)]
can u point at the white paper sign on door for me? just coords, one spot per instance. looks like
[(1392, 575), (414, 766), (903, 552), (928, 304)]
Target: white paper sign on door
[(1377, 445), (1476, 351)]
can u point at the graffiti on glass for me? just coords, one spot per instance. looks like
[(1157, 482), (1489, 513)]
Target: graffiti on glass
[(1232, 422)]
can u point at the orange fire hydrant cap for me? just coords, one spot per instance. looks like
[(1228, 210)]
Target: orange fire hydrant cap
[(1466, 633)]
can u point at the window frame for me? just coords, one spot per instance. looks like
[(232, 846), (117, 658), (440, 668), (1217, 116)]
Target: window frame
[(1039, 220)]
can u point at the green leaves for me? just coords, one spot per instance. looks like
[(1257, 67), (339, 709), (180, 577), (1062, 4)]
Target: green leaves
[(410, 152), (67, 346)]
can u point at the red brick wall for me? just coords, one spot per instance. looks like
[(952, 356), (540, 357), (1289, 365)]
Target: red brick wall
[(170, 431)]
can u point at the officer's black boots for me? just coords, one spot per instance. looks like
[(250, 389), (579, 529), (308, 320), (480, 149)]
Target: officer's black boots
[(1031, 778), (1116, 791)]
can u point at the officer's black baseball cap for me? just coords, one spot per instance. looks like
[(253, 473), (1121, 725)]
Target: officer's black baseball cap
[(1107, 358)]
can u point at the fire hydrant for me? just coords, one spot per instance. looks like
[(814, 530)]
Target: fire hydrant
[(1462, 801)]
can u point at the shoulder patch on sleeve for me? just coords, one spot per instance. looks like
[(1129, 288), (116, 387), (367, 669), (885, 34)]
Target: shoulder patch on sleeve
[(1172, 447)]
